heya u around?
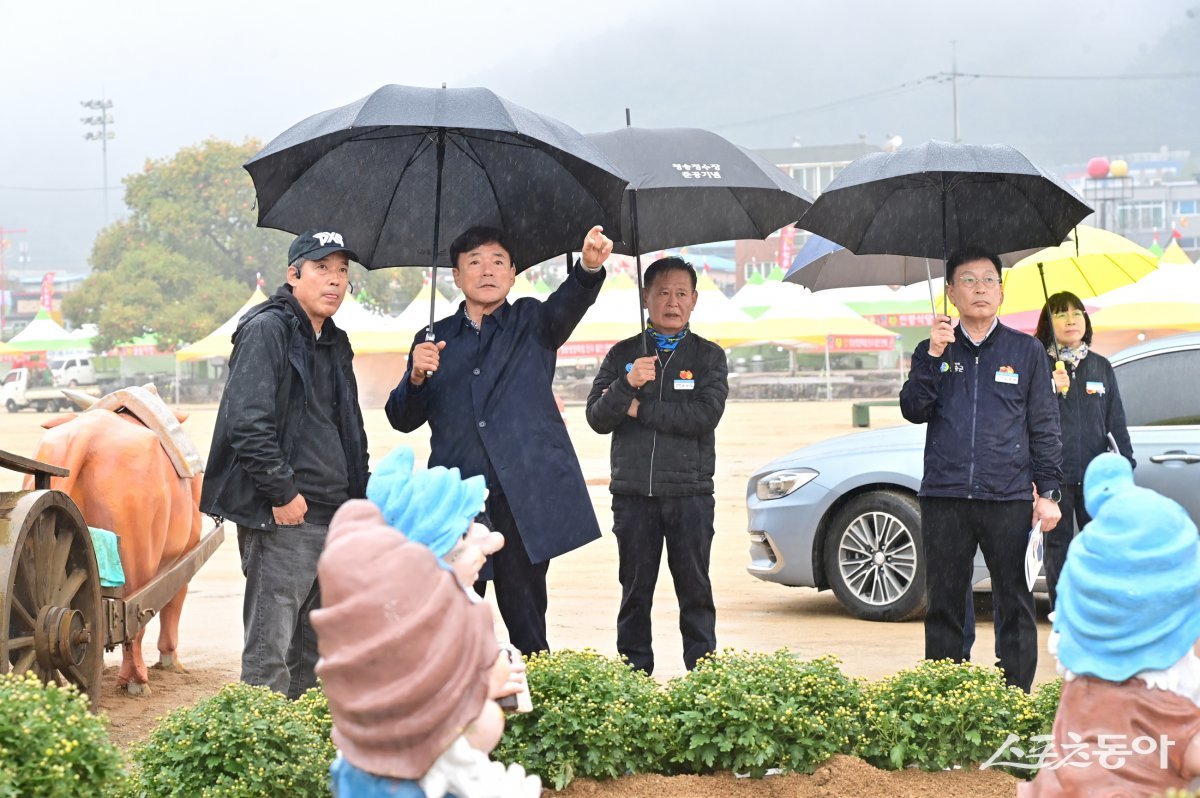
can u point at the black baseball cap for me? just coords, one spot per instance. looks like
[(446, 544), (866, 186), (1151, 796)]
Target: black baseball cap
[(316, 244)]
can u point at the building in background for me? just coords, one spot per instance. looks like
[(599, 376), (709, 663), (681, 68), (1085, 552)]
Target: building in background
[(1148, 197), (26, 293)]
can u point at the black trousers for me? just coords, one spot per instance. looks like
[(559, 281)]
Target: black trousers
[(951, 529), (1059, 539), (520, 584), (641, 524)]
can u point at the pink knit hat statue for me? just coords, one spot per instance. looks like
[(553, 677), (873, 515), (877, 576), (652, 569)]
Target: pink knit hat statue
[(409, 664)]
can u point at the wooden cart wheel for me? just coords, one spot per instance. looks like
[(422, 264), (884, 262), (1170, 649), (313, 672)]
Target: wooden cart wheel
[(50, 604)]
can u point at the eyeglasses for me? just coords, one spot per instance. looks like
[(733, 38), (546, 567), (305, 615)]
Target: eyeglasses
[(1073, 315), (967, 281)]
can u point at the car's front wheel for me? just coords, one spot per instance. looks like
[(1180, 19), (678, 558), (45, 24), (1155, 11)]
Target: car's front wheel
[(873, 557)]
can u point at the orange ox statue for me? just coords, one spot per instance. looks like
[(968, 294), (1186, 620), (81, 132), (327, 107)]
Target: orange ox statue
[(133, 471)]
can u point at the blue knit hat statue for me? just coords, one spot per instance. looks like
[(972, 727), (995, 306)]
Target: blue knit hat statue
[(1126, 629), (434, 507)]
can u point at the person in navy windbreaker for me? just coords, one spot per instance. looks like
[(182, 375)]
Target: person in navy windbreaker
[(483, 386), (986, 392)]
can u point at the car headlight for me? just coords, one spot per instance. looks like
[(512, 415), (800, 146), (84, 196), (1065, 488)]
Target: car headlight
[(778, 484)]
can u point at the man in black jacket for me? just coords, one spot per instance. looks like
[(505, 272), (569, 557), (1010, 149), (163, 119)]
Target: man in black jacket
[(662, 409), (986, 393), (288, 449), (483, 386)]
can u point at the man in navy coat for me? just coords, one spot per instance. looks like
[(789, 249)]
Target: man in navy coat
[(484, 386)]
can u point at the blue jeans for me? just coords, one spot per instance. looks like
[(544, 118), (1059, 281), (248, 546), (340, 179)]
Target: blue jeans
[(349, 781), (280, 647)]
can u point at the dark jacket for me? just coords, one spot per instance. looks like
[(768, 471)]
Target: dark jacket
[(259, 422), (669, 449), (491, 411), (1091, 408), (993, 419)]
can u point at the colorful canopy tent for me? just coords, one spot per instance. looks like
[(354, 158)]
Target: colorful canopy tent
[(218, 342), (613, 317), (1162, 304), (715, 316), (44, 334), (371, 332), (757, 295), (798, 316), (1174, 255), (415, 317)]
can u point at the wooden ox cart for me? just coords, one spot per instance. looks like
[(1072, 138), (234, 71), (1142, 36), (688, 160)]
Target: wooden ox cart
[(57, 619)]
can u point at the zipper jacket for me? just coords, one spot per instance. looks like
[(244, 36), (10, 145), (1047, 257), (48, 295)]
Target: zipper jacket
[(1091, 408), (670, 448), (992, 415), (260, 420)]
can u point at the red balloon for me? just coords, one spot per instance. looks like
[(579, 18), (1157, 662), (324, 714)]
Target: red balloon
[(1098, 167)]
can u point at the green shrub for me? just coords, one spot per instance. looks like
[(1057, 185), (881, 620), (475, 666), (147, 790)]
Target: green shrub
[(313, 710), (1044, 701), (50, 744), (243, 742), (750, 712), (592, 717), (940, 714)]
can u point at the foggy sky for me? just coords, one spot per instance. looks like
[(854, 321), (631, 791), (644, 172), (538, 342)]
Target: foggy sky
[(181, 72)]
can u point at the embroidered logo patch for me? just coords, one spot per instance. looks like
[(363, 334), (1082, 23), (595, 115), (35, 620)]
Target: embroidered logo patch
[(685, 375), (325, 238), (628, 367)]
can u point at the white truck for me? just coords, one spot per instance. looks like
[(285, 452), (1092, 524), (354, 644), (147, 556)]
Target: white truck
[(35, 388), (71, 372)]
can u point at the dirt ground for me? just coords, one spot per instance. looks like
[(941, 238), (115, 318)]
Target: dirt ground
[(584, 592)]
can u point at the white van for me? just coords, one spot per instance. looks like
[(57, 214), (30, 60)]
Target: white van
[(73, 371)]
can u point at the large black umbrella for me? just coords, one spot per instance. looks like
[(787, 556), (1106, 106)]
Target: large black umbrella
[(397, 170), (938, 197), (933, 199), (689, 186)]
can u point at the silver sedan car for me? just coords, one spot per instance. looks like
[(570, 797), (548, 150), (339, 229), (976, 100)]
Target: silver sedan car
[(843, 514)]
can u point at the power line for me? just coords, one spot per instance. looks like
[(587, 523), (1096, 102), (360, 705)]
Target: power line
[(41, 188), (1158, 76), (890, 91)]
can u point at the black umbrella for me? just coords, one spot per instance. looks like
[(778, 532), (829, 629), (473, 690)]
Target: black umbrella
[(395, 170), (689, 186), (929, 200)]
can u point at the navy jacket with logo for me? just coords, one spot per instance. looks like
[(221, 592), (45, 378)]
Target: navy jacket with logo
[(993, 417), (1091, 409), (491, 411)]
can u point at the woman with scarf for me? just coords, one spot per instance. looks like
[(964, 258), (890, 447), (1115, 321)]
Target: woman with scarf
[(1090, 411)]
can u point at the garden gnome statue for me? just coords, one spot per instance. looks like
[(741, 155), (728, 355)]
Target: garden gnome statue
[(434, 507), (409, 662), (1125, 634)]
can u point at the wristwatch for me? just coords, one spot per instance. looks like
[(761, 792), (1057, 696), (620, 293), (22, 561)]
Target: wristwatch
[(1054, 495)]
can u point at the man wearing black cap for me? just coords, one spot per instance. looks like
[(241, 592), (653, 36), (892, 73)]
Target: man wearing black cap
[(288, 449)]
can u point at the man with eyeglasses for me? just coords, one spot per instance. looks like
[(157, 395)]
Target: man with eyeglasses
[(289, 447), (986, 392)]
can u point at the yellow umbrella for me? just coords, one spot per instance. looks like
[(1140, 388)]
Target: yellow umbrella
[(1101, 262)]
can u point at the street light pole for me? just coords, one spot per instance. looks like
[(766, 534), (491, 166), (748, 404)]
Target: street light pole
[(103, 120), (954, 82)]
